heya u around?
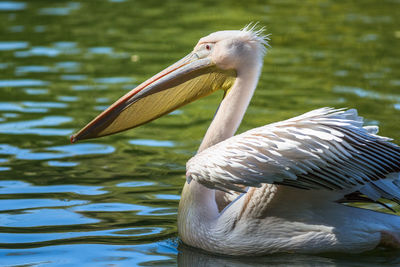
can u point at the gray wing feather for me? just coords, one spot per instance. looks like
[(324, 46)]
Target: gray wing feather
[(322, 149)]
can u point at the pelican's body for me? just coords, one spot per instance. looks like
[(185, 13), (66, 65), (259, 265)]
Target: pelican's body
[(279, 218), (290, 175)]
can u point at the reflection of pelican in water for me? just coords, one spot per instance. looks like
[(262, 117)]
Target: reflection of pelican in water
[(193, 257), (286, 179)]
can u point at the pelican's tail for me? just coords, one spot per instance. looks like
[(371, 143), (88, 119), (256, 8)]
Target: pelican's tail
[(370, 227)]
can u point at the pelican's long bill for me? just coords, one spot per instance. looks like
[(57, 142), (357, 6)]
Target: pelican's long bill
[(181, 83)]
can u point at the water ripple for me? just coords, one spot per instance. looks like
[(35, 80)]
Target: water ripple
[(43, 217), (113, 80), (61, 151), (94, 255), (8, 187), (31, 91), (56, 163), (365, 93), (4, 46), (22, 83), (101, 50), (47, 51), (112, 207), (44, 104), (68, 66), (135, 184), (27, 203), (11, 6), (60, 11), (4, 66), (40, 28), (21, 238), (167, 197), (140, 209), (68, 98), (32, 69), (65, 45), (75, 77), (7, 106), (32, 126), (88, 87), (16, 28), (152, 143)]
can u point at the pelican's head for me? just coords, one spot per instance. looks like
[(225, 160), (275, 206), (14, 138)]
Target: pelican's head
[(213, 65), (233, 49)]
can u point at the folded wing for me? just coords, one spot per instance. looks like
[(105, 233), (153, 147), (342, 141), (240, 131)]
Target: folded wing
[(322, 149)]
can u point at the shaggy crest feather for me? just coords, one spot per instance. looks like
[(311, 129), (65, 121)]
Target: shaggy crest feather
[(258, 34)]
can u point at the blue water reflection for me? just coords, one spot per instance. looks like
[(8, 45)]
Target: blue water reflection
[(40, 28), (113, 207), (18, 204), (4, 46), (68, 66), (73, 77), (112, 80), (34, 126), (59, 151), (366, 93), (168, 197), (135, 184), (60, 11), (68, 98), (21, 70), (58, 48), (101, 50), (20, 187), (43, 217), (150, 142), (12, 6), (39, 51), (7, 106), (56, 163), (32, 91), (16, 28), (65, 45), (94, 255), (22, 83), (43, 237), (88, 87)]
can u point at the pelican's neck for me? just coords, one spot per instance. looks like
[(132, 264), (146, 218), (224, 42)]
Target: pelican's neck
[(233, 107), (198, 210)]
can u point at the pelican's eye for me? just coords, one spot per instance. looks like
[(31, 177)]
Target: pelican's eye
[(208, 46), (203, 50)]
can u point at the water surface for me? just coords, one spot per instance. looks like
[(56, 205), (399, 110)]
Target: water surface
[(114, 200)]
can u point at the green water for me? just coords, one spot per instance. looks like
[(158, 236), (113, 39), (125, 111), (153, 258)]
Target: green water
[(114, 200)]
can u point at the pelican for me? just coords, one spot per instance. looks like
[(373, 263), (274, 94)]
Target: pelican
[(277, 188)]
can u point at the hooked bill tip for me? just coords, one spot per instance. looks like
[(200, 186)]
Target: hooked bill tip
[(73, 139)]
